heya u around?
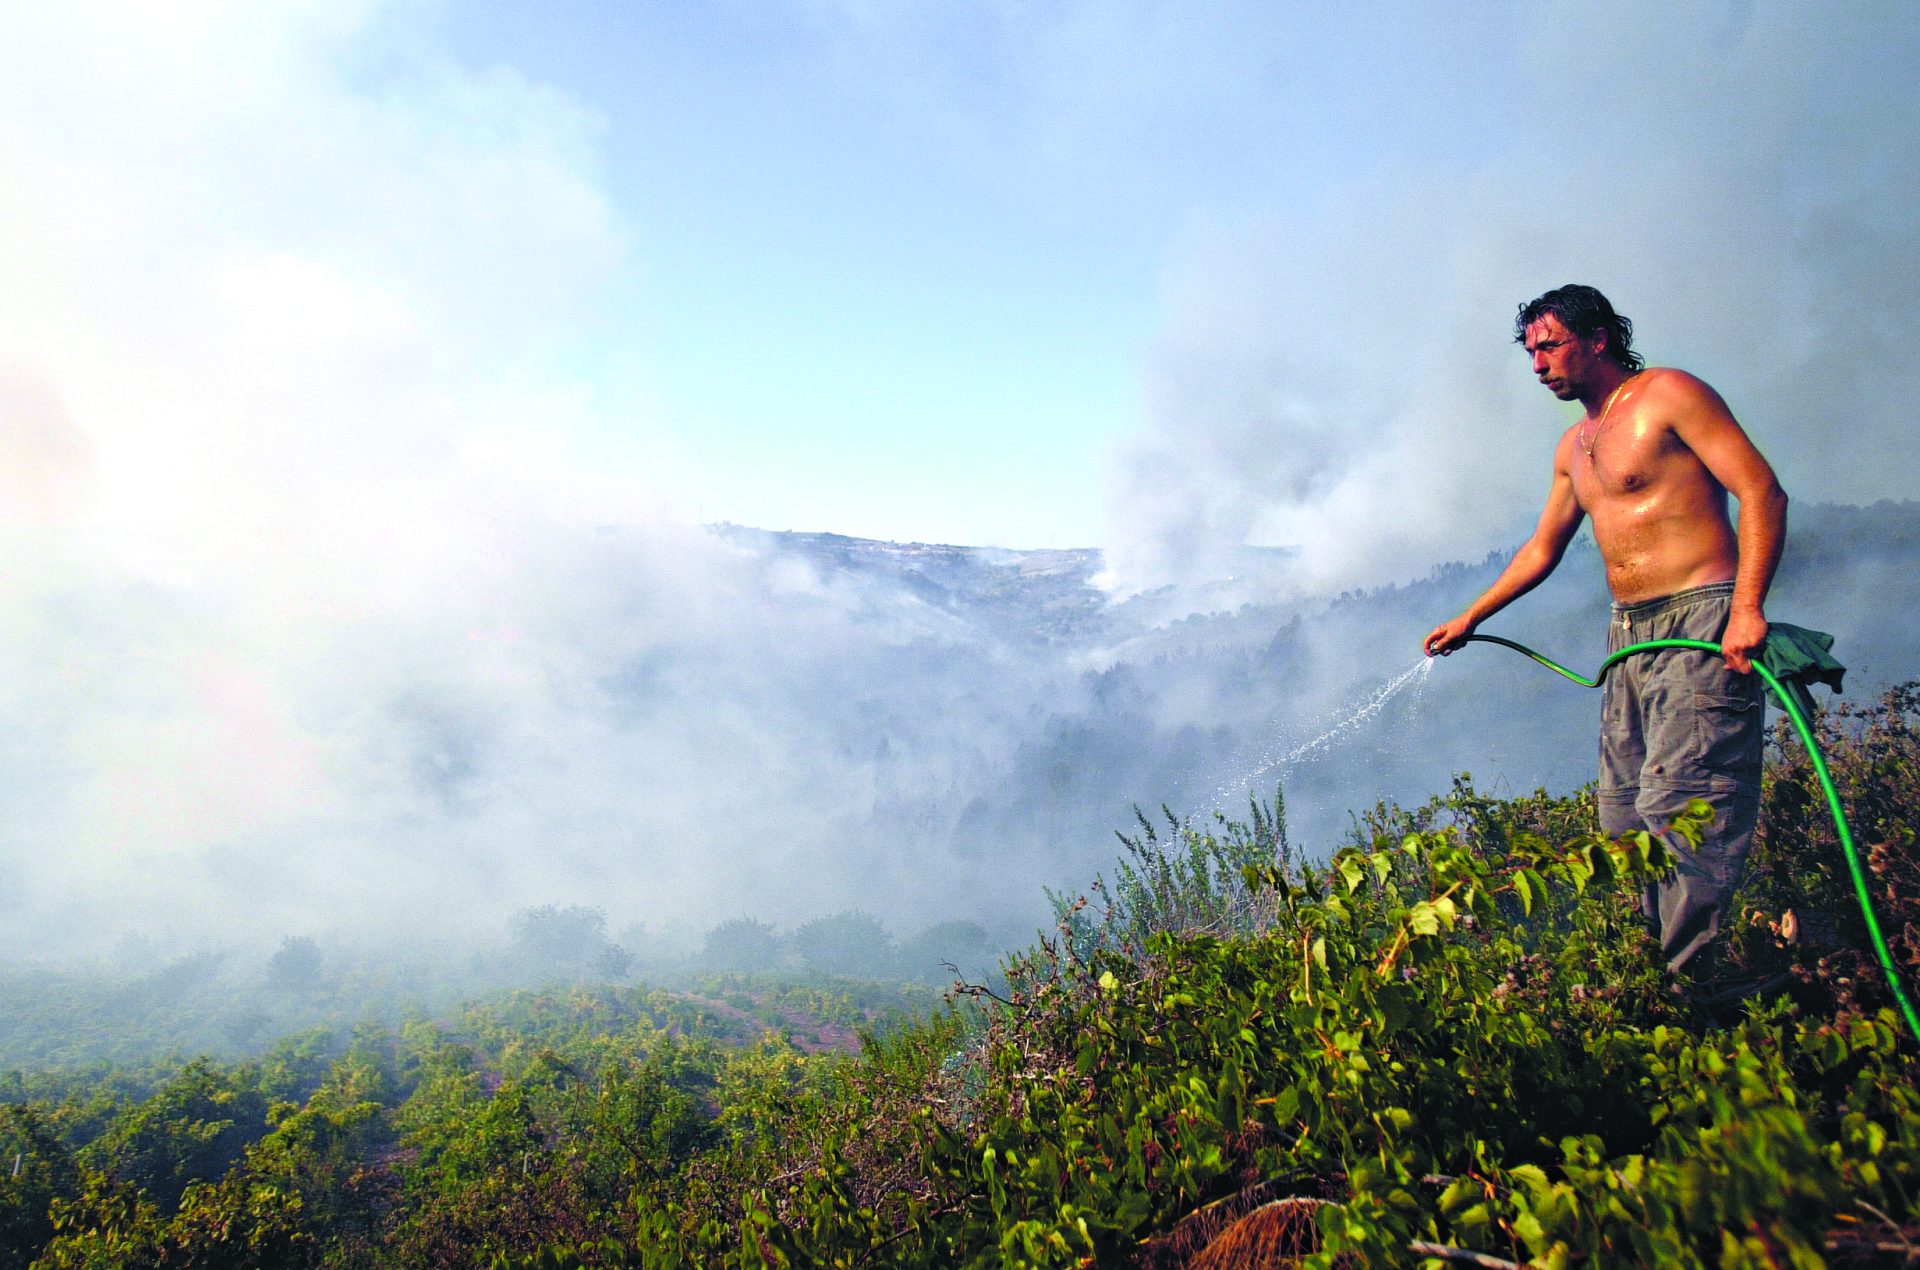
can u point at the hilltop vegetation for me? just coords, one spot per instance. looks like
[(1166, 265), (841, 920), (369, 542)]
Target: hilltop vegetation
[(1450, 1037)]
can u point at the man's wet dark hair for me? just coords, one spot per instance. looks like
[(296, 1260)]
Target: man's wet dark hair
[(1586, 313)]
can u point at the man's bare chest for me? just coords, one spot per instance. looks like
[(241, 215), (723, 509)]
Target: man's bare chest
[(1630, 466)]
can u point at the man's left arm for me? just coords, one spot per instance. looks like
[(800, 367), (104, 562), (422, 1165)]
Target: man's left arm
[(1703, 422)]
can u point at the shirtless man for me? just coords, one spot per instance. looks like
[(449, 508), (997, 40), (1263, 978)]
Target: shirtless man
[(1652, 461)]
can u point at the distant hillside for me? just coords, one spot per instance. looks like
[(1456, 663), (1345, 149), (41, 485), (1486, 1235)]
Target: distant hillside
[(1201, 709), (1047, 596)]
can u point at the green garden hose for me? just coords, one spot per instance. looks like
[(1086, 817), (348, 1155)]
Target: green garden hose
[(1805, 730)]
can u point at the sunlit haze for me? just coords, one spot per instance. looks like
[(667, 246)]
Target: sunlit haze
[(370, 373)]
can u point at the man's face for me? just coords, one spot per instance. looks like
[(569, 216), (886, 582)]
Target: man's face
[(1562, 361)]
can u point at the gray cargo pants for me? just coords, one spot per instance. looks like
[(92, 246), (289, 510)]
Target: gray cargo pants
[(1676, 724)]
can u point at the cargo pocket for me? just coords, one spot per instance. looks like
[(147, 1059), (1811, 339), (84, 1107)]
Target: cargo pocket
[(1728, 735)]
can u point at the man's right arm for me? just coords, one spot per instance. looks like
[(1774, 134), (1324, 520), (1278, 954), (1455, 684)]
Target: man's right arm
[(1537, 557)]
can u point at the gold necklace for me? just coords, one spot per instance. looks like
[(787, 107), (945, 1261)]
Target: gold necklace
[(1601, 426)]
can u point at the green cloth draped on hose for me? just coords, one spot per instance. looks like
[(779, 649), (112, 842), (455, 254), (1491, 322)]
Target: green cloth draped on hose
[(1800, 658)]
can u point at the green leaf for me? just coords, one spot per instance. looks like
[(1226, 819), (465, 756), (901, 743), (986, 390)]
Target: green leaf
[(1533, 1176)]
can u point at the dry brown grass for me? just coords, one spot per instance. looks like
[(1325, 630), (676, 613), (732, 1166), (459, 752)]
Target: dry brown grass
[(1252, 1230)]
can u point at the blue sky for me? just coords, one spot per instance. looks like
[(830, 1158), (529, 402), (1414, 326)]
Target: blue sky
[(893, 270), (845, 310)]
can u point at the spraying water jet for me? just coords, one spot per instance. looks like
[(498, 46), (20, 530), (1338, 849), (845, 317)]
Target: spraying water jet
[(1281, 760)]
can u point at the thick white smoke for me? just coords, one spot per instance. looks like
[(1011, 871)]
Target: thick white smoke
[(310, 592), (1736, 177)]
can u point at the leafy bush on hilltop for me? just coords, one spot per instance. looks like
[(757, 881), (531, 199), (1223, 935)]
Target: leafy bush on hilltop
[(1453, 1037), (1798, 911), (1195, 881)]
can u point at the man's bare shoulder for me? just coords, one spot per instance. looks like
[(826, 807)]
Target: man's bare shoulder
[(1676, 393)]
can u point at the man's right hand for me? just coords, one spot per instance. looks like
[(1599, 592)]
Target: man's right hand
[(1447, 636)]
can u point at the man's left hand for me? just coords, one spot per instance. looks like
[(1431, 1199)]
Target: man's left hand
[(1744, 635)]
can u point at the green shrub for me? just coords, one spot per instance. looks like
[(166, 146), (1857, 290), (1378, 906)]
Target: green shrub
[(1452, 1035)]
